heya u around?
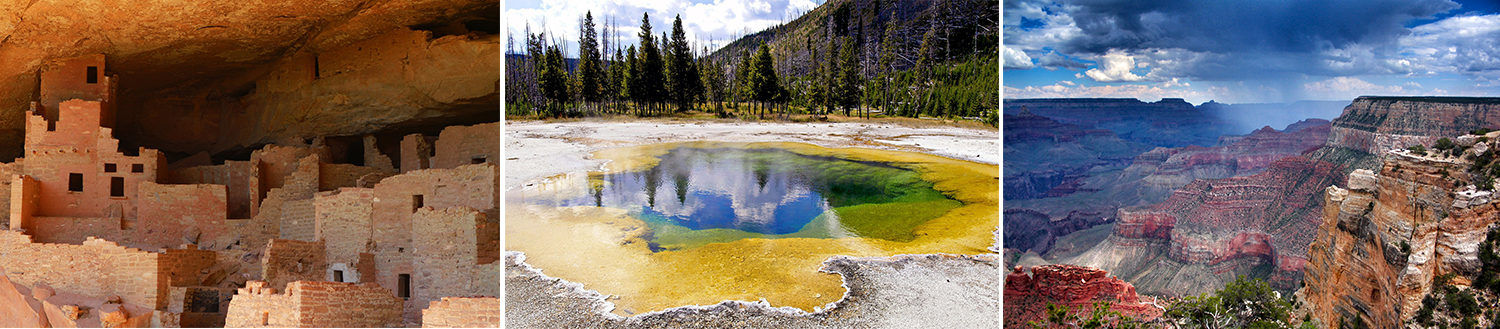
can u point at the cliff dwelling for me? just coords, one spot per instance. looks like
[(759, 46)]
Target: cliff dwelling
[(276, 192)]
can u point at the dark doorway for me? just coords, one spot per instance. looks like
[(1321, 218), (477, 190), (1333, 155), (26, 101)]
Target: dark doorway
[(75, 182), (117, 186), (403, 286)]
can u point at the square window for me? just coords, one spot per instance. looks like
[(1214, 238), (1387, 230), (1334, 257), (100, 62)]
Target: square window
[(137, 168), (75, 182), (109, 167), (338, 276)]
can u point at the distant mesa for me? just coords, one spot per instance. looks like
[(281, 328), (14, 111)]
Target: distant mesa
[(1077, 287)]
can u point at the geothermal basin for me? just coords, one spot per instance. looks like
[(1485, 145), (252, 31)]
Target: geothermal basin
[(697, 223)]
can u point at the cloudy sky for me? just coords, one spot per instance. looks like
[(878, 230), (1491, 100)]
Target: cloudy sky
[(712, 23), (1250, 51)]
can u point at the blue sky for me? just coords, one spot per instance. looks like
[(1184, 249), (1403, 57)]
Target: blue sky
[(1250, 51), (707, 23)]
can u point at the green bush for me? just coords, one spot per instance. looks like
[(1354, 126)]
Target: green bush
[(1418, 149)]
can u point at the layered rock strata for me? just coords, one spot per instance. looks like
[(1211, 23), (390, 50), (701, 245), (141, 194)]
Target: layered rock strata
[(1387, 235), (1028, 295)]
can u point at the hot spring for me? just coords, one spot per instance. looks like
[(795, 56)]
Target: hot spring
[(667, 225)]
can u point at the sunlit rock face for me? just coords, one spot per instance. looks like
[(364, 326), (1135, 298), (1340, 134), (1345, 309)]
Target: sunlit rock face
[(745, 221), (1384, 240), (192, 69)]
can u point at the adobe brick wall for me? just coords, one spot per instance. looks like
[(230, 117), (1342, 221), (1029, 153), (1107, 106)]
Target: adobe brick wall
[(74, 230), (416, 152), (98, 268), (470, 186), (6, 171), (459, 145), (343, 218), (259, 306), (445, 258), (240, 178), (174, 214), (463, 312), (374, 158), (291, 260), (181, 267), (314, 304), (66, 79), (332, 176), (80, 146), (24, 192)]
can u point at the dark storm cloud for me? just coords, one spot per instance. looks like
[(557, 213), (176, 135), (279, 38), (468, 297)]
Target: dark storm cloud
[(1243, 25), (1053, 60)]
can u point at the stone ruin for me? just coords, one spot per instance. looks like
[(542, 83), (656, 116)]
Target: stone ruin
[(97, 237)]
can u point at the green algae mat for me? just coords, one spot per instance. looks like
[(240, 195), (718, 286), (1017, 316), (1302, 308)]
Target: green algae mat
[(668, 225)]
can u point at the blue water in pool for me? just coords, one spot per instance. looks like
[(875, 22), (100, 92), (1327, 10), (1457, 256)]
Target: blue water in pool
[(764, 191)]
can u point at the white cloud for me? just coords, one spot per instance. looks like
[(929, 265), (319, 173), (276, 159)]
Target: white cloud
[(1461, 44), (716, 22), (1350, 87), (1115, 66), (1016, 59)]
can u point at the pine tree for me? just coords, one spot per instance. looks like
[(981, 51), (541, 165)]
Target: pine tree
[(743, 90), (632, 79), (849, 79), (924, 66), (652, 81), (764, 79), (555, 80), (589, 72), (713, 82), (684, 82)]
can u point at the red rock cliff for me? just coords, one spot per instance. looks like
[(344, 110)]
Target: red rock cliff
[(1078, 287)]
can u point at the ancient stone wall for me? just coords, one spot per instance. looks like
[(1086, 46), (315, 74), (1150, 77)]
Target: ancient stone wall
[(177, 214), (374, 158), (446, 255), (314, 304), (462, 145), (332, 176), (24, 192), (69, 79), (462, 312), (291, 260), (98, 268), (416, 153), (81, 171), (343, 218), (399, 197), (240, 178)]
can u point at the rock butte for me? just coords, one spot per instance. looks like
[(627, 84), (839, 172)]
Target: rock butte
[(605, 249), (1077, 287), (125, 239)]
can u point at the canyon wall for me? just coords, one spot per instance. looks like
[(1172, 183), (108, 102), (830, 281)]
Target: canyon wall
[(1028, 295), (1386, 237), (1376, 124)]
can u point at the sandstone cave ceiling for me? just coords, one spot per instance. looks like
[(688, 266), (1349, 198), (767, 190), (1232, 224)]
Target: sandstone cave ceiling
[(190, 72)]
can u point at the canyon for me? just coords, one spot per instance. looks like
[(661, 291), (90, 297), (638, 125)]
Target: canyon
[(1271, 224), (1029, 295)]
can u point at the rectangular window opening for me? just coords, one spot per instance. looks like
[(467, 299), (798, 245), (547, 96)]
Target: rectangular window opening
[(117, 186), (403, 286), (316, 74), (51, 125), (93, 74), (75, 182), (109, 167), (338, 276), (478, 159), (137, 168), (265, 318), (416, 202)]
